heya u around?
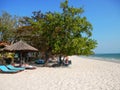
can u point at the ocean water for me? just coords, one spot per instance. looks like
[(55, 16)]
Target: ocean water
[(115, 57)]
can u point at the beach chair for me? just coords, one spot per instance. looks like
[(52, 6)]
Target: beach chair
[(26, 66), (15, 68), (4, 69), (40, 61)]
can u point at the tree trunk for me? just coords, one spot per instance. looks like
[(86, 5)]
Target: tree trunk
[(46, 59)]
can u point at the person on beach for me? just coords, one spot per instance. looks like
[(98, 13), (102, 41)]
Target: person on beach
[(66, 60)]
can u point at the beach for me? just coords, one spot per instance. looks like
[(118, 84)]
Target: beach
[(82, 74)]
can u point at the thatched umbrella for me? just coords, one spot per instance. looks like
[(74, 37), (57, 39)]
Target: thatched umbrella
[(20, 47)]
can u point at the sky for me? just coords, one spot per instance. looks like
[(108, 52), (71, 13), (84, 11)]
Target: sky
[(104, 15)]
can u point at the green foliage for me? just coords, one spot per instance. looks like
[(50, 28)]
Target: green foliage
[(54, 33), (62, 33), (8, 25)]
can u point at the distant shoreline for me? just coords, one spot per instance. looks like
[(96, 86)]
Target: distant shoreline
[(101, 59)]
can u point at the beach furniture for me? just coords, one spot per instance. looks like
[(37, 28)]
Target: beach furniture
[(11, 67), (63, 63), (26, 66), (40, 61), (4, 69)]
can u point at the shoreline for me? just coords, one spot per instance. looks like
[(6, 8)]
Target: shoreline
[(102, 59), (83, 74)]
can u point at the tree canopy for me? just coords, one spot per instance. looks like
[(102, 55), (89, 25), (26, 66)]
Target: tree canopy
[(64, 33), (58, 33), (8, 25)]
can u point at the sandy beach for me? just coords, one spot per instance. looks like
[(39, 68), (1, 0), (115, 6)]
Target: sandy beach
[(83, 74)]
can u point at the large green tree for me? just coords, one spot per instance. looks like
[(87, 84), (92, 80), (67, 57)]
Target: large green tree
[(64, 33)]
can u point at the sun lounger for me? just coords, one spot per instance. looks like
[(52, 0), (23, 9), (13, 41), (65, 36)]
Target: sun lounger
[(40, 61), (15, 68), (26, 66), (4, 69)]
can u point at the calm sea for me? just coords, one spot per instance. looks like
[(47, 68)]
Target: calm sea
[(108, 57)]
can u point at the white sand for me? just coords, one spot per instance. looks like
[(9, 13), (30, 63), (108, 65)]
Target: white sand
[(83, 74)]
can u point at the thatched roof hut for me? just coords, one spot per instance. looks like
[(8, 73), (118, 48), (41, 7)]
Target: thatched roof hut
[(20, 46)]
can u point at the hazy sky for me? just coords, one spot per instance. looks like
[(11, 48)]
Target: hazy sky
[(103, 14)]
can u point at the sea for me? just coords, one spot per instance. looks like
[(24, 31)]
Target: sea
[(114, 57)]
